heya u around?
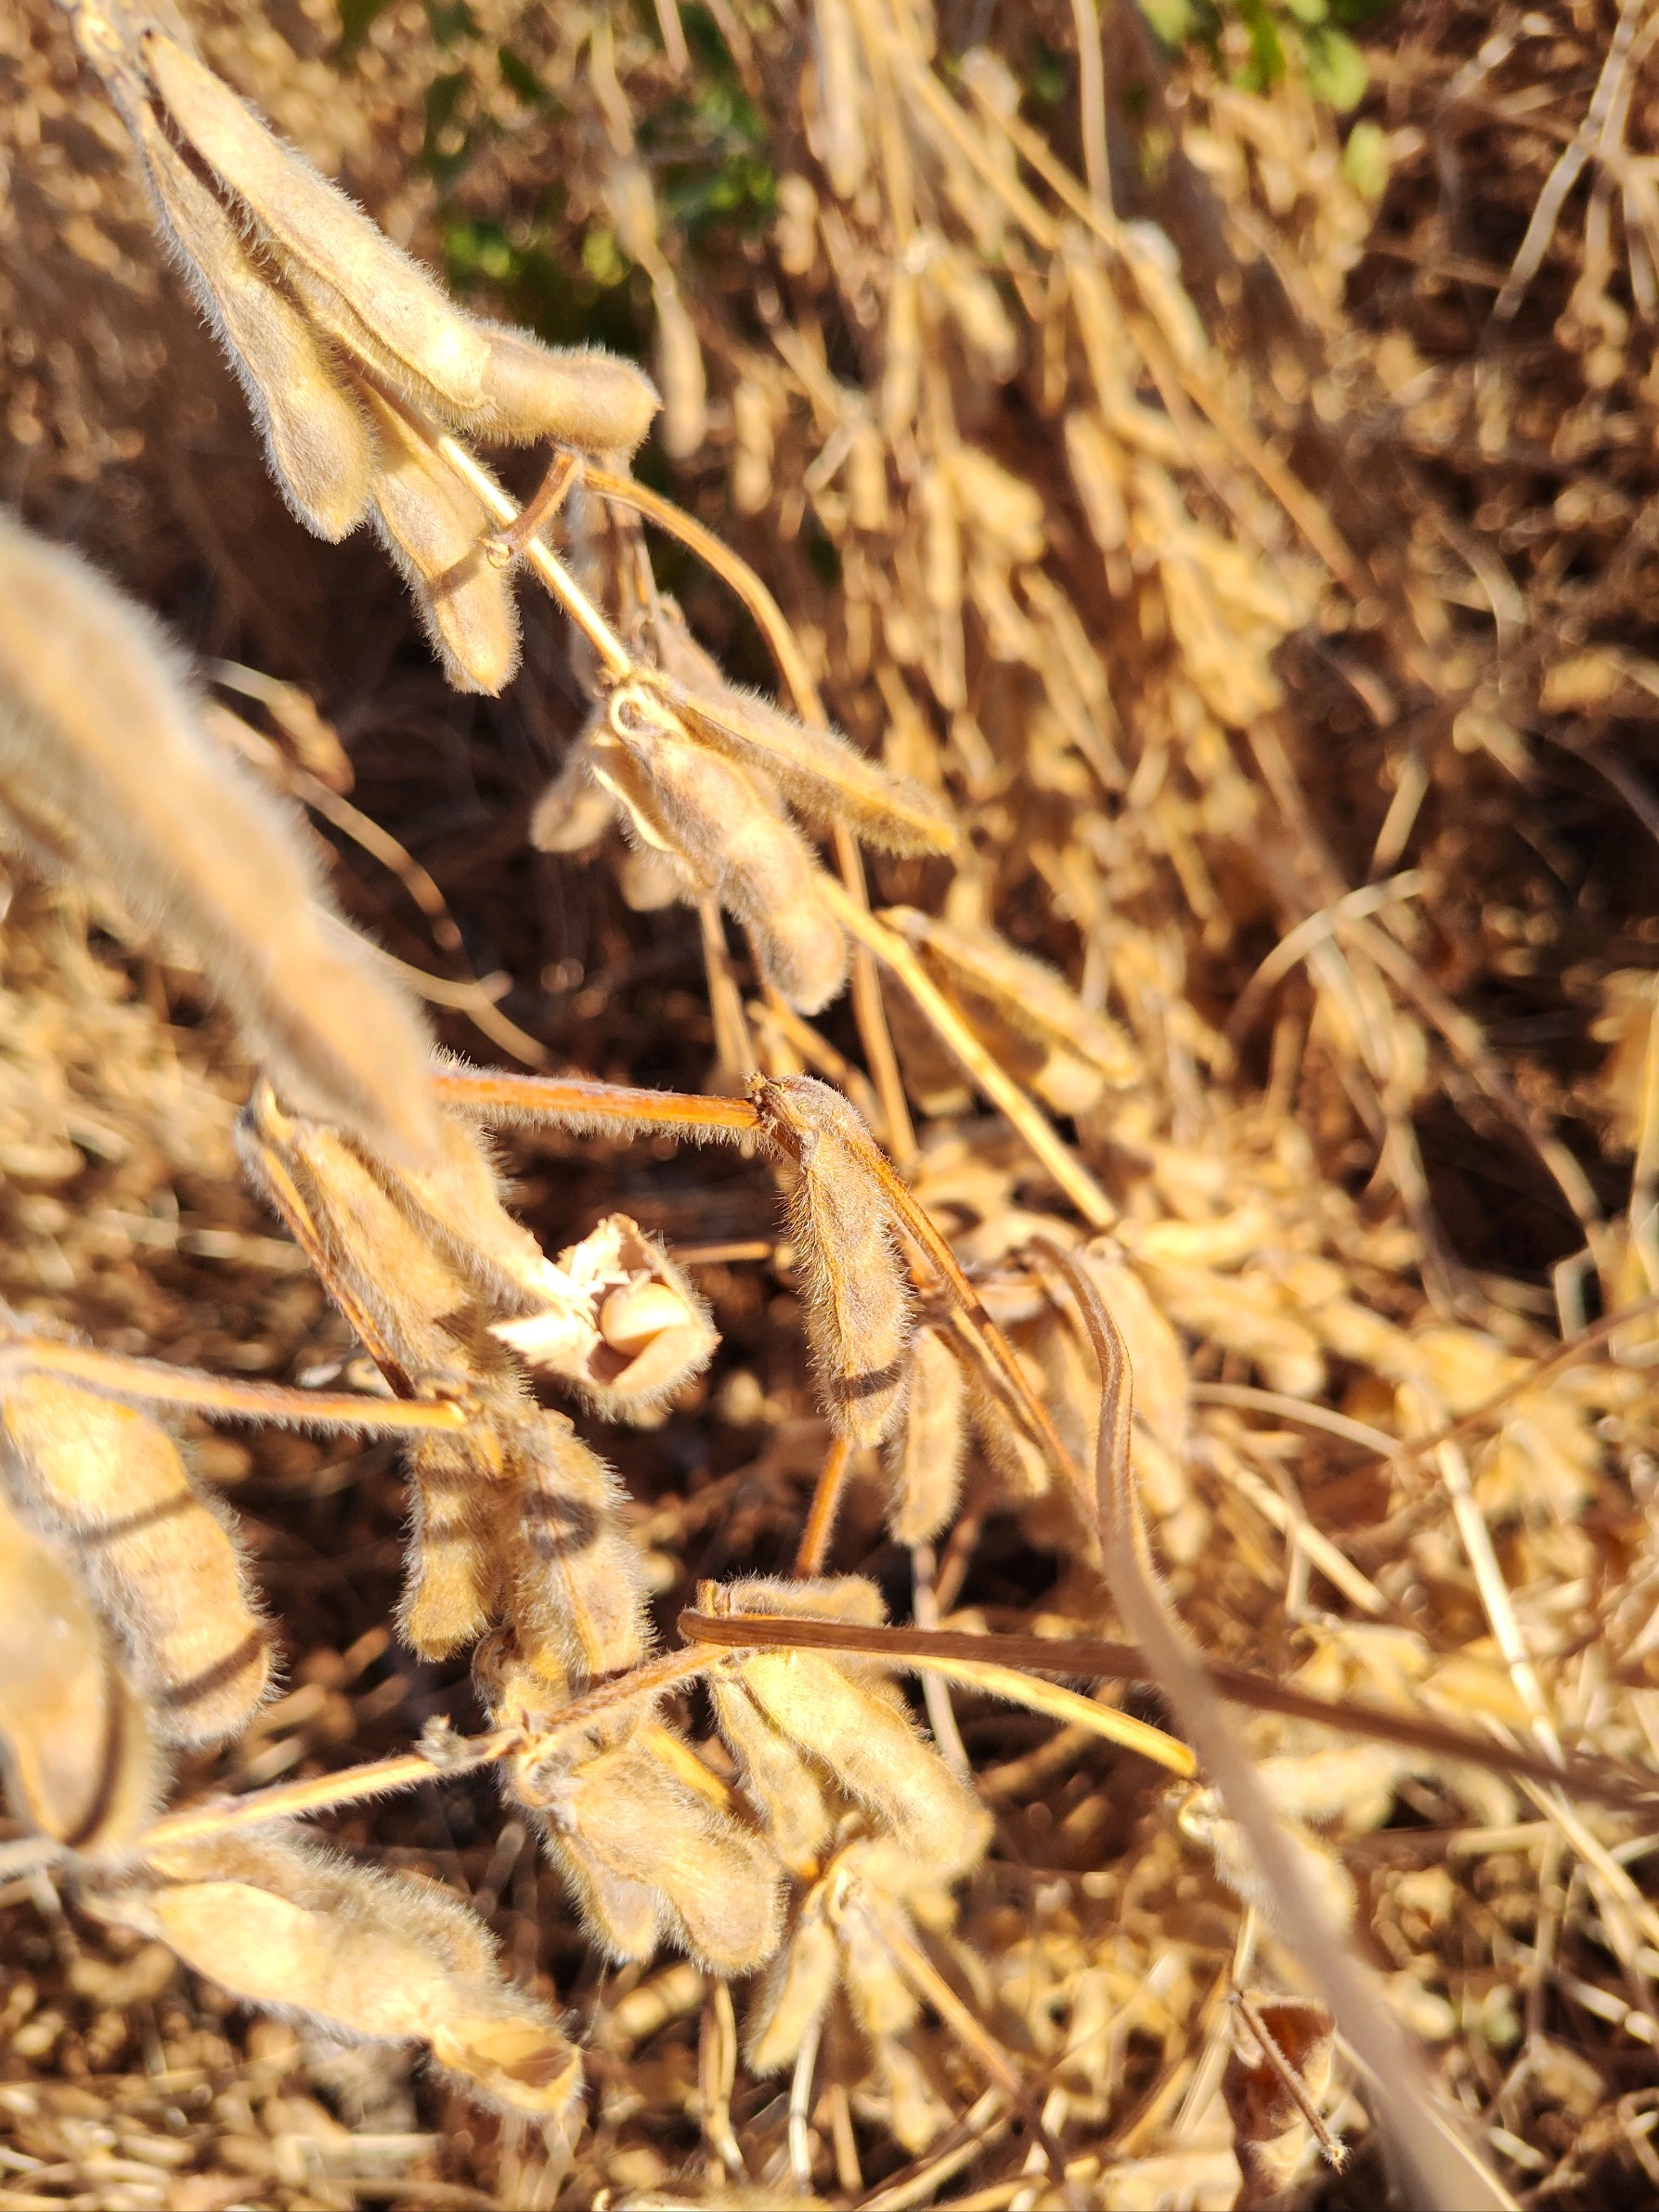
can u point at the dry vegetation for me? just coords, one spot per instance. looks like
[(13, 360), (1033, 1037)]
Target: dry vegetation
[(717, 1717)]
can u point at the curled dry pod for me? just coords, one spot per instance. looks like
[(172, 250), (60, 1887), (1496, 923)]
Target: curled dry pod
[(719, 823), (645, 1329), (430, 523), (857, 1302), (110, 1484), (1026, 993), (378, 1958), (646, 1837), (105, 763), (315, 436), (846, 1716), (408, 327), (924, 1458), (76, 1742)]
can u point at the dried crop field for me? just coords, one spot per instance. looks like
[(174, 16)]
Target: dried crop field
[(829, 1103)]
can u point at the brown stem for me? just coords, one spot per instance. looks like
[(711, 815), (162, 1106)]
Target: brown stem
[(1441, 2169), (921, 1226), (488, 1091), (502, 546), (120, 1376), (1082, 1659), (285, 1800), (826, 1505)]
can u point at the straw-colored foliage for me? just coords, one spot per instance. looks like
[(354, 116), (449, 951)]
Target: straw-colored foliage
[(942, 1493)]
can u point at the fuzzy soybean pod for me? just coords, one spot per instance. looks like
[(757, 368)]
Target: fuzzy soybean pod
[(580, 395), (373, 1957), (415, 1310), (574, 1591), (820, 774), (843, 1715), (458, 1540), (110, 1484), (797, 1989), (315, 436), (788, 1797), (1026, 994), (924, 1457), (857, 1302), (76, 1747), (717, 820), (431, 524), (645, 1836), (106, 769), (376, 305), (391, 310)]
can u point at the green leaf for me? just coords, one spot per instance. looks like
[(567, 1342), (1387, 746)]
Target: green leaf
[(1044, 76), (1337, 70), (475, 249), (1365, 160), (1266, 48), (1174, 21), (601, 257)]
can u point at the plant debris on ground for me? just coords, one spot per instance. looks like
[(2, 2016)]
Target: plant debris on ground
[(1205, 459)]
